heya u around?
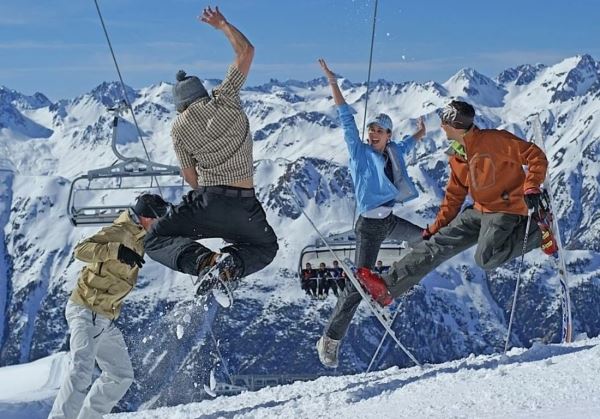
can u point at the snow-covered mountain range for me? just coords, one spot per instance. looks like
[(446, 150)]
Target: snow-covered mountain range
[(458, 309)]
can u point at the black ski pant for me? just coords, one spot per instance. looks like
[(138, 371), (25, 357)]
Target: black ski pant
[(370, 233), (233, 214), (499, 238)]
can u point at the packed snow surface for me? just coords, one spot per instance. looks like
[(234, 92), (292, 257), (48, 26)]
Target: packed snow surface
[(545, 381)]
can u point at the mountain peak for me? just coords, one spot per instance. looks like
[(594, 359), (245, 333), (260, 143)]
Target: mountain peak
[(520, 75), (479, 88), (585, 61), (111, 93), (470, 77), (470, 74), (21, 101), (291, 83), (575, 77)]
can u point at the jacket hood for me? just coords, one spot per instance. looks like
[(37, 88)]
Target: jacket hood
[(126, 219)]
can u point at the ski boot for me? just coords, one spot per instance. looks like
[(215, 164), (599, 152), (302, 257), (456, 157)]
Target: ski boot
[(221, 279), (328, 350), (375, 286)]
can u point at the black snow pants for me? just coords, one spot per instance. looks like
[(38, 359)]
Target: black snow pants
[(233, 214)]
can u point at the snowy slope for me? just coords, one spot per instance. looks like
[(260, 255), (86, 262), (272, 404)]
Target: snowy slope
[(27, 390), (300, 156), (550, 382)]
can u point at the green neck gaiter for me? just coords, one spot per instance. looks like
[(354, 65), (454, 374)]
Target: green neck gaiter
[(459, 149)]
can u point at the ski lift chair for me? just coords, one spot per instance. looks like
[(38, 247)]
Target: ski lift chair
[(344, 246), (102, 194)]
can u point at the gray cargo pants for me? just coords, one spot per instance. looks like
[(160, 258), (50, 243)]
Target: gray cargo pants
[(499, 238), (93, 339), (370, 233)]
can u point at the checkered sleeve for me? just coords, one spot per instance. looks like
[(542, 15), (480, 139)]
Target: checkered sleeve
[(185, 158), (231, 86)]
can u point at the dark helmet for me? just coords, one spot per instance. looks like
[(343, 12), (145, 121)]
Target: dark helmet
[(150, 206)]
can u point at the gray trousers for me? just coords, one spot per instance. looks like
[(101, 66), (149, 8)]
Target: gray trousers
[(92, 340), (499, 238), (370, 233)]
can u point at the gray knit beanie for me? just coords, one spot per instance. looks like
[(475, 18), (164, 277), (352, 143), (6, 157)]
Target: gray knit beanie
[(187, 90)]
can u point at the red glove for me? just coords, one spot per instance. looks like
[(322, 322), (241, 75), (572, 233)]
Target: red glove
[(426, 234)]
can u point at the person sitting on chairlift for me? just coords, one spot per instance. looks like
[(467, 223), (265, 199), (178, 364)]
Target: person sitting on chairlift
[(324, 277), (309, 280)]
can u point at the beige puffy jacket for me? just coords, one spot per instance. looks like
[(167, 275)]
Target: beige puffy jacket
[(104, 282)]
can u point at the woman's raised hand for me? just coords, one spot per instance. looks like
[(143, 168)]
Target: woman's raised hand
[(338, 98), (421, 130), (328, 73)]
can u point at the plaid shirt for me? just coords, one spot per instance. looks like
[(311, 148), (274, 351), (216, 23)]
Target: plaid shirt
[(213, 135)]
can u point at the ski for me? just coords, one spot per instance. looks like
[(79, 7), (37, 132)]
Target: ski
[(382, 314), (210, 282), (557, 256)]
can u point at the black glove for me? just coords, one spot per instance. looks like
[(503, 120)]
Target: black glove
[(533, 199), (193, 200), (188, 198), (129, 257)]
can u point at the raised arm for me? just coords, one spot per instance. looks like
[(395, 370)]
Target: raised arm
[(421, 130), (338, 98), (244, 51)]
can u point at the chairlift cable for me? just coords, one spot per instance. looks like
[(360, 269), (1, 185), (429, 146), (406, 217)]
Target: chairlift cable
[(370, 65), (123, 87), (368, 84)]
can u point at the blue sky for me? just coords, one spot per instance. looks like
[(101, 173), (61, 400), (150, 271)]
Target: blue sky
[(57, 47)]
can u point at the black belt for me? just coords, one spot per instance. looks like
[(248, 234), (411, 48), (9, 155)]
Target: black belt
[(228, 191)]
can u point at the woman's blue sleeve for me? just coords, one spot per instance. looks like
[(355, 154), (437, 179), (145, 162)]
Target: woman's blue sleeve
[(406, 144), (351, 135)]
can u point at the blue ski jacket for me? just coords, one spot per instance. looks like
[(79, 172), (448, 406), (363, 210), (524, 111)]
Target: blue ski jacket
[(372, 187)]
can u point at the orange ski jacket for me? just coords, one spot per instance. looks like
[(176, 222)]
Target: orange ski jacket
[(492, 174)]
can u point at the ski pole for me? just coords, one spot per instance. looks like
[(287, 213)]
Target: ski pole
[(382, 340), (514, 303)]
